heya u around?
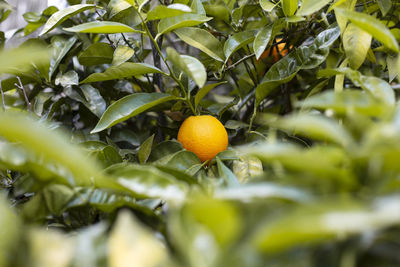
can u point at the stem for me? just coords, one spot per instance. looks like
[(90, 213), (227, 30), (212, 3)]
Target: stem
[(171, 73), (2, 98), (21, 87)]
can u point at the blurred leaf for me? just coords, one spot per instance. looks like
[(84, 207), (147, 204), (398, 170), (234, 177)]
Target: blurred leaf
[(122, 54), (263, 191), (372, 26), (267, 5), (356, 43), (189, 65), (56, 197), (96, 54), (184, 20), (289, 7), (131, 244), (62, 15), (101, 27), (237, 41), (128, 107), (311, 6), (317, 222), (125, 70), (161, 12), (344, 102), (384, 6), (145, 149), (10, 226), (148, 182), (203, 40)]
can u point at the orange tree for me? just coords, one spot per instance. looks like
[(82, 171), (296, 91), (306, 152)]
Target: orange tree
[(93, 97)]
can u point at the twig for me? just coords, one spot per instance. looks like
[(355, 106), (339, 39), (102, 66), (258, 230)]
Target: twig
[(101, 18), (156, 58), (21, 87), (2, 98), (239, 61)]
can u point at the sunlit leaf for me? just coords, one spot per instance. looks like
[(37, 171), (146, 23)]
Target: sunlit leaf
[(101, 27)]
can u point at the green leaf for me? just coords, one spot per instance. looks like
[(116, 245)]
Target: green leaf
[(165, 149), (303, 57), (148, 181), (125, 70), (345, 102), (128, 107), (102, 27), (62, 15), (228, 176), (237, 41), (96, 54), (184, 20), (376, 86), (262, 40), (372, 26), (311, 6), (161, 12), (60, 47), (94, 101), (289, 7), (384, 6), (266, 5), (145, 149), (315, 127), (356, 43), (204, 91), (41, 141), (191, 66), (249, 192), (122, 54), (183, 160), (203, 40)]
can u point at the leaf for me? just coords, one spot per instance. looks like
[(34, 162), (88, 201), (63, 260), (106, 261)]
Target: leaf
[(62, 15), (165, 149), (19, 58), (122, 54), (237, 41), (129, 106), (345, 102), (311, 6), (315, 127), (372, 26), (266, 5), (94, 101), (262, 40), (228, 176), (356, 43), (125, 70), (183, 160), (96, 54), (303, 57), (41, 141), (377, 87), (184, 20), (132, 244), (289, 7), (67, 79), (102, 27), (60, 47), (145, 149), (191, 66), (204, 91), (384, 6), (161, 12), (203, 40), (263, 191), (148, 181), (317, 222)]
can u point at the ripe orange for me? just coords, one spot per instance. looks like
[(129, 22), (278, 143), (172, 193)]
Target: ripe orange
[(203, 135), (277, 53)]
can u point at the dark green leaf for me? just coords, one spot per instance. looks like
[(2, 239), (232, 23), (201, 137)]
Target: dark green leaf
[(96, 54), (102, 27), (145, 149)]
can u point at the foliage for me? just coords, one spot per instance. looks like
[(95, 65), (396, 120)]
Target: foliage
[(92, 100)]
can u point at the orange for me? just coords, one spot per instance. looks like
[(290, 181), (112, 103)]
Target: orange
[(277, 53), (203, 135)]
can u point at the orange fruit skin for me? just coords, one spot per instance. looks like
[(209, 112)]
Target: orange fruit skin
[(277, 53), (203, 135)]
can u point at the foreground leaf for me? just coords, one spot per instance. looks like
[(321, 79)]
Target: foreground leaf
[(102, 27)]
